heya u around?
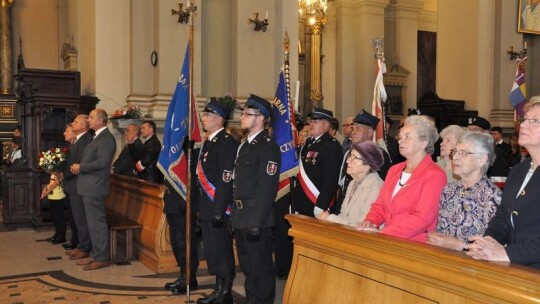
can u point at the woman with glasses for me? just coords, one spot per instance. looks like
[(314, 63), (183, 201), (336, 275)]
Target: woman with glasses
[(409, 200), (513, 235), (467, 204), (449, 136), (364, 161)]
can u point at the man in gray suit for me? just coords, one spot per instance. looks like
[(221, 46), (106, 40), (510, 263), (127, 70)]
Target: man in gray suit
[(93, 185), (83, 137)]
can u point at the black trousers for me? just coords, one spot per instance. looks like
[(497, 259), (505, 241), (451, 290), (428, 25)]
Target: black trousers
[(218, 249), (257, 265), (58, 217), (74, 232), (283, 244), (177, 229)]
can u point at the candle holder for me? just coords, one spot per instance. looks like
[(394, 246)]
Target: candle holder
[(260, 25), (515, 55), (183, 16)]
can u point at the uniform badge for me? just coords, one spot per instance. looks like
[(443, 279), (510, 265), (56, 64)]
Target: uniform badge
[(227, 176), (271, 168)]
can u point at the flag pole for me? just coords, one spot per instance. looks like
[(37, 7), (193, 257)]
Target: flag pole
[(190, 8)]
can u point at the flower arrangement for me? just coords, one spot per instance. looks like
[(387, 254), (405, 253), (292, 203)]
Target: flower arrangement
[(53, 160), (127, 112)]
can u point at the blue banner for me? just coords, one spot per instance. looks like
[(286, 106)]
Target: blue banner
[(283, 132), (172, 160)]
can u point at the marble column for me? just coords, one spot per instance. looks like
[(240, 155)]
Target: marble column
[(369, 24), (6, 48), (407, 44)]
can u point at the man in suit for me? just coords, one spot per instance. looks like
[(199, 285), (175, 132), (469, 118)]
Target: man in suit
[(146, 165), (256, 178), (319, 169), (214, 171), (125, 163), (93, 184), (80, 239)]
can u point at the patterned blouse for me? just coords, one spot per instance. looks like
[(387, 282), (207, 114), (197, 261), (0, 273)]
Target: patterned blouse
[(467, 212)]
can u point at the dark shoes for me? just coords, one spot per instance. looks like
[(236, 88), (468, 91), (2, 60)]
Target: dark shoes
[(57, 241), (180, 286), (69, 246), (221, 294)]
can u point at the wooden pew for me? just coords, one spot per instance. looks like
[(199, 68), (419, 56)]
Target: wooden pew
[(142, 202), (333, 263)]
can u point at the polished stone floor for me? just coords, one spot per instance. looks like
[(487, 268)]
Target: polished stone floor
[(35, 271)]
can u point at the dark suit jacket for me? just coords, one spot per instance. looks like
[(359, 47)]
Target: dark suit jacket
[(256, 178), (217, 161), (322, 161), (74, 156), (522, 239), (148, 157), (95, 178), (125, 163)]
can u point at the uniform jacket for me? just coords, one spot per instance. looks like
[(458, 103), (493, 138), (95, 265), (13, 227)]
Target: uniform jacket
[(74, 156), (125, 163), (217, 161), (413, 211), (148, 156), (94, 178), (321, 160), (522, 239), (256, 178)]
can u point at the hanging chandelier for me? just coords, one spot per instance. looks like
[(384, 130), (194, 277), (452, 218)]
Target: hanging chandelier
[(314, 11)]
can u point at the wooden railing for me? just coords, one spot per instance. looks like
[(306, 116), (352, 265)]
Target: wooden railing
[(142, 201), (333, 263)]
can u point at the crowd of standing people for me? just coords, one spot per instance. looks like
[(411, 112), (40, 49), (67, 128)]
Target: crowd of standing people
[(448, 200)]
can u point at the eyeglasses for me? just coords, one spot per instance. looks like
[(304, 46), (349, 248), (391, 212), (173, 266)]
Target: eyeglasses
[(535, 122), (354, 157), (249, 114), (461, 153), (348, 125)]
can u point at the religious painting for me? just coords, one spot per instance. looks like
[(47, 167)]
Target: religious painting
[(529, 16)]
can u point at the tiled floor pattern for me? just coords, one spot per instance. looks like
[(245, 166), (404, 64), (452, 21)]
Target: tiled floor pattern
[(33, 271)]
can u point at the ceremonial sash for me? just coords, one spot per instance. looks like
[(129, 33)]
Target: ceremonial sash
[(309, 188), (206, 185)]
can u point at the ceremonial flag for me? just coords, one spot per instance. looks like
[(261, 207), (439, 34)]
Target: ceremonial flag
[(518, 95), (172, 160), (379, 96), (283, 132)]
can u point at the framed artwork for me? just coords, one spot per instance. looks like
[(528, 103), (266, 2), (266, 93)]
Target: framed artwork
[(529, 16)]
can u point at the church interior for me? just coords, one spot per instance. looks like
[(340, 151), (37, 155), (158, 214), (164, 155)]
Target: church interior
[(454, 60)]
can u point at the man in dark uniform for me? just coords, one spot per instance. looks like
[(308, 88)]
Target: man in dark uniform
[(125, 163), (500, 165), (319, 169), (256, 178), (174, 207), (147, 165), (214, 171)]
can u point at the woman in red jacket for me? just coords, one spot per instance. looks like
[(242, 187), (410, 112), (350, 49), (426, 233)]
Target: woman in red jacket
[(408, 203)]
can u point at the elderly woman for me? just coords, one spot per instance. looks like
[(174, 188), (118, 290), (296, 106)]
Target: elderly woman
[(409, 200), (449, 136), (364, 161), (467, 205), (513, 235)]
